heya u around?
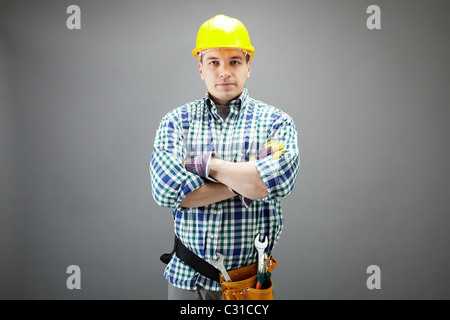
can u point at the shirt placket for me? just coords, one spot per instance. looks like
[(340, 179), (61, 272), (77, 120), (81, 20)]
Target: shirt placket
[(212, 240), (222, 130), (215, 215)]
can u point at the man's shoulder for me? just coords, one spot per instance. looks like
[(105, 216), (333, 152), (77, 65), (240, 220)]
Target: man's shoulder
[(268, 110)]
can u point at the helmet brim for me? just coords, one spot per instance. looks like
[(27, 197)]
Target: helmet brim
[(196, 52)]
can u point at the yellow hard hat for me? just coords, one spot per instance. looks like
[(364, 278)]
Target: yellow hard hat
[(223, 32)]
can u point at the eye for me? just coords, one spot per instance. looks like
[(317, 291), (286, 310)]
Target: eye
[(235, 62), (213, 62)]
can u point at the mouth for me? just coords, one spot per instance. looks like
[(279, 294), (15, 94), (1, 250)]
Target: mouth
[(225, 84)]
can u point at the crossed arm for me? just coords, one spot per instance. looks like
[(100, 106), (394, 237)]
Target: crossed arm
[(263, 178), (241, 176)]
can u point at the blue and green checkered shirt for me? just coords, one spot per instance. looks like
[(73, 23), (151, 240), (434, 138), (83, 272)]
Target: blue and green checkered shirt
[(227, 226)]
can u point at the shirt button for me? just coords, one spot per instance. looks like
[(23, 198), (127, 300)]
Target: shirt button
[(211, 236), (215, 211)]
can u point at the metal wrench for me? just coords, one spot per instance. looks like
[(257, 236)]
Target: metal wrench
[(218, 264), (261, 246)]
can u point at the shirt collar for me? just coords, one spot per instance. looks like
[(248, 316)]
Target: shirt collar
[(236, 104)]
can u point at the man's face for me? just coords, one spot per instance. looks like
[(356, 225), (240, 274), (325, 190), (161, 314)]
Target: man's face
[(225, 73)]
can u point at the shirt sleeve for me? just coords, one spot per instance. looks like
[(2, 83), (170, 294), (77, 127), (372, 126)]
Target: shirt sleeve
[(171, 183), (279, 175)]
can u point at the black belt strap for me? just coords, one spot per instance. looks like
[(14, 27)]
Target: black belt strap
[(192, 260)]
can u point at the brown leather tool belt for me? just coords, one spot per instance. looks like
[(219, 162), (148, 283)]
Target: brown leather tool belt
[(243, 280)]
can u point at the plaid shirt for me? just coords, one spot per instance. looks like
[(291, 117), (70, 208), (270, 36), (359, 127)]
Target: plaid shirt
[(227, 226)]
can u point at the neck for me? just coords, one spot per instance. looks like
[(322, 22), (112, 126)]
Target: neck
[(221, 101)]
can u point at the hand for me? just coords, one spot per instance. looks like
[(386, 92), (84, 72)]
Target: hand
[(246, 201), (271, 148), (201, 164)]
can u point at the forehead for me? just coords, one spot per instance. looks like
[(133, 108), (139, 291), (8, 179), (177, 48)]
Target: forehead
[(223, 54)]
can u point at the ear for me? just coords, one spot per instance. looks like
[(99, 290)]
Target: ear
[(200, 70), (249, 69)]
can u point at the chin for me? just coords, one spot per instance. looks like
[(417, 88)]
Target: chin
[(223, 93), (229, 92)]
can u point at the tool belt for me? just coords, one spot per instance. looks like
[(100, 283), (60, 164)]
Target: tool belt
[(243, 280)]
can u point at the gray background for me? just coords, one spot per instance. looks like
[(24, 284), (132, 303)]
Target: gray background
[(79, 110)]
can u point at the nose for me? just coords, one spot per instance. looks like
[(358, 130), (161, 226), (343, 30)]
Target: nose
[(224, 72)]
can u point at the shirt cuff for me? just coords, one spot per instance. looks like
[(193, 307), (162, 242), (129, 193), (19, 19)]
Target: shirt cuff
[(268, 170), (191, 183)]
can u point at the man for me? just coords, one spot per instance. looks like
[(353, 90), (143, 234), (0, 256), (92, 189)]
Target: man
[(222, 163)]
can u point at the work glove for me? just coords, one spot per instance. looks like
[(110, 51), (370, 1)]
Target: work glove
[(272, 149), (201, 164)]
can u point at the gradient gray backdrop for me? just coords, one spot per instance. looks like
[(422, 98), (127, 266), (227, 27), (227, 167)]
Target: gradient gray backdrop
[(79, 111)]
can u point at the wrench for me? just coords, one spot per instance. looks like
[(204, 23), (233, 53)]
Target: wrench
[(266, 267), (218, 264), (260, 246)]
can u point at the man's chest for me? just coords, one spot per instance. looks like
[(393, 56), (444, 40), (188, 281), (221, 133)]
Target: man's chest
[(235, 140)]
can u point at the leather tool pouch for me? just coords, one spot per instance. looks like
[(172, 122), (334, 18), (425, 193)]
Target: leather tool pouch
[(243, 280), (243, 284)]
